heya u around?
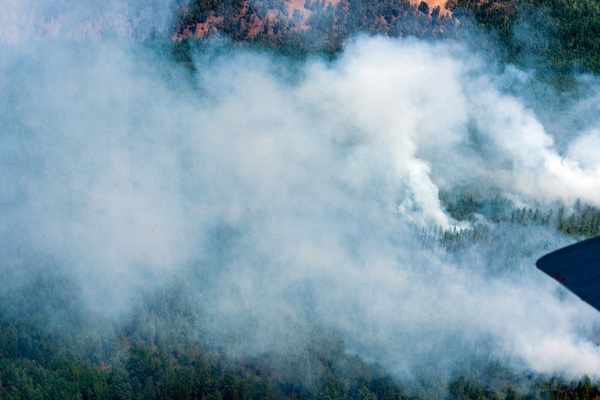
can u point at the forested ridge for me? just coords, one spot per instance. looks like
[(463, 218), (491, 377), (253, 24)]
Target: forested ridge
[(582, 221), (310, 26), (552, 36), (548, 34)]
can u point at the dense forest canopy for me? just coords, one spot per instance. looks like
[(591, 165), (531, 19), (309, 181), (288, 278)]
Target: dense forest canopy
[(296, 199), (550, 36)]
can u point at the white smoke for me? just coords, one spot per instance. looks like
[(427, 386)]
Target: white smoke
[(289, 196)]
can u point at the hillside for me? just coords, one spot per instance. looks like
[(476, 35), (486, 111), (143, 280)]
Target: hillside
[(551, 36), (305, 26), (557, 35)]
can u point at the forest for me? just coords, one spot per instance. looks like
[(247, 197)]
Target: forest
[(167, 345), (555, 37), (50, 350)]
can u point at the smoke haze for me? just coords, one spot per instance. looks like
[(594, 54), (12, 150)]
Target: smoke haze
[(32, 20), (289, 196)]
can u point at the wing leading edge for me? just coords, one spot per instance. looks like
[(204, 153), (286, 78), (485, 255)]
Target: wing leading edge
[(578, 268)]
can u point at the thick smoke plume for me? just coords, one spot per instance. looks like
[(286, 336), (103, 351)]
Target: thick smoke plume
[(289, 196)]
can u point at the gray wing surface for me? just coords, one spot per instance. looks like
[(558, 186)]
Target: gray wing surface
[(578, 268)]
